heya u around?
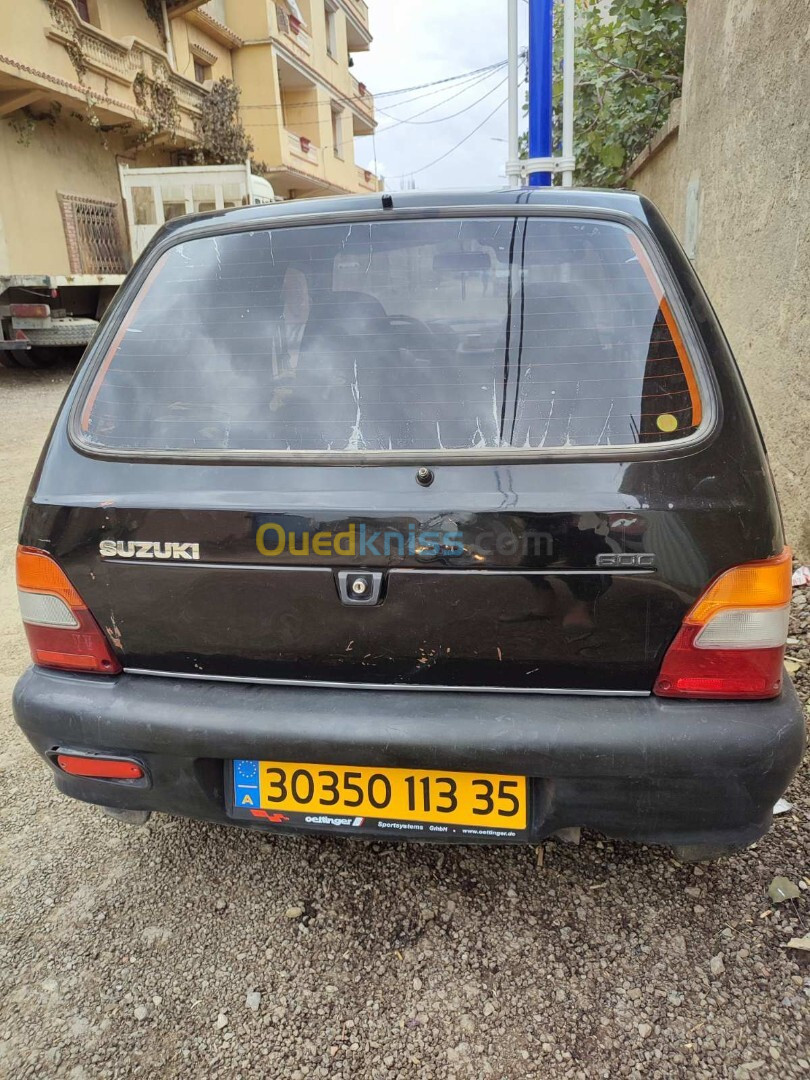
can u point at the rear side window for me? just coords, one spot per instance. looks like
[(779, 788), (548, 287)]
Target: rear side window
[(471, 334)]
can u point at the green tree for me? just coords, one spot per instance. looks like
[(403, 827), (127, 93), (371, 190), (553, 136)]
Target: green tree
[(629, 68)]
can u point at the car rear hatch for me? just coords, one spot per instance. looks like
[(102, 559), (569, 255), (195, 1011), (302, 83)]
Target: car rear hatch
[(497, 425), (488, 623)]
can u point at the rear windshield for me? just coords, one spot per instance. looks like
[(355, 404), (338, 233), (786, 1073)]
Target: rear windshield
[(466, 334)]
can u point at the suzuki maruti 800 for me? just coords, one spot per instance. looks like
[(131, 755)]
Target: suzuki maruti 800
[(429, 517)]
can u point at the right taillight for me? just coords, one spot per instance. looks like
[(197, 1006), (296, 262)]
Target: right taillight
[(61, 631), (732, 642)]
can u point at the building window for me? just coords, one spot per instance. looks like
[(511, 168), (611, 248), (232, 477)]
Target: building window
[(143, 205), (204, 197), (83, 8), (202, 71), (331, 31), (337, 132), (175, 202), (92, 235)]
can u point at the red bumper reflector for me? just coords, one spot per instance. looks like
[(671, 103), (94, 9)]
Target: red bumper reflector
[(99, 767), (30, 311)]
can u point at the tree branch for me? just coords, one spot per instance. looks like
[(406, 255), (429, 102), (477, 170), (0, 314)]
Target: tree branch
[(642, 76)]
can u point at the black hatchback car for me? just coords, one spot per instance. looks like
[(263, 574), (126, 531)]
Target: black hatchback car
[(434, 517)]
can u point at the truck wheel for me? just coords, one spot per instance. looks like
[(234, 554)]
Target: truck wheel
[(37, 358), (8, 359)]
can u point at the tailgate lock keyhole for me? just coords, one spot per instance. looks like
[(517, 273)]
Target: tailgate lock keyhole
[(360, 587)]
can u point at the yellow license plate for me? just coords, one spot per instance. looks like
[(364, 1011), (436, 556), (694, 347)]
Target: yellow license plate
[(443, 797)]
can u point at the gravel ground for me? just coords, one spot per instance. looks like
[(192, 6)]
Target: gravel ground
[(181, 949)]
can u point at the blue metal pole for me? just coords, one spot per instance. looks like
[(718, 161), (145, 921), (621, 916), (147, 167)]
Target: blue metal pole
[(541, 33)]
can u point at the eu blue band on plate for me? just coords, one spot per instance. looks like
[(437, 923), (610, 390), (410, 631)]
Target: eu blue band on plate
[(246, 783)]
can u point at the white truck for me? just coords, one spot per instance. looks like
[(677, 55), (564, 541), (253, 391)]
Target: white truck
[(45, 316)]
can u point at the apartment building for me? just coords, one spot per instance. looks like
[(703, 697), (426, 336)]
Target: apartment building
[(89, 85), (301, 103)]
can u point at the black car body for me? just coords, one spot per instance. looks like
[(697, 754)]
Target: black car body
[(445, 517)]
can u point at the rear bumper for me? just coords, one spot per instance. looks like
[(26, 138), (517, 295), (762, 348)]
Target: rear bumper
[(644, 769)]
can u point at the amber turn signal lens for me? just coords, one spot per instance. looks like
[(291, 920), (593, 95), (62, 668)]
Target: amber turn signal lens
[(760, 584), (37, 572)]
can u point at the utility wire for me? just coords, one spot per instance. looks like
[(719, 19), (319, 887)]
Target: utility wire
[(441, 119), (412, 119), (452, 150), (472, 81), (471, 78), (439, 82), (398, 123)]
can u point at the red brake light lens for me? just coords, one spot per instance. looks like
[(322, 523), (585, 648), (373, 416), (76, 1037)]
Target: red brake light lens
[(732, 643), (61, 631)]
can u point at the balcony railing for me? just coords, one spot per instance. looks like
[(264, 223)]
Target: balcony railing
[(292, 30), (97, 50), (359, 8), (362, 99), (121, 62), (367, 180), (302, 149)]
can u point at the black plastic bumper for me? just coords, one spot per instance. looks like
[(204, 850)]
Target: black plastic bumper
[(641, 768)]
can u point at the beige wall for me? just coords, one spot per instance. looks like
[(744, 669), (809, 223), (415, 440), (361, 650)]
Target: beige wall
[(48, 53), (661, 182), (68, 157), (305, 114), (260, 101), (60, 153), (744, 139), (251, 19), (122, 19), (185, 37), (655, 171), (24, 29)]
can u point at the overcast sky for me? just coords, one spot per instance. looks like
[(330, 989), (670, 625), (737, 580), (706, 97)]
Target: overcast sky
[(418, 41)]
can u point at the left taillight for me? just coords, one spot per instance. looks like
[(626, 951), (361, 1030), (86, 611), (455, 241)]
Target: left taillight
[(61, 631)]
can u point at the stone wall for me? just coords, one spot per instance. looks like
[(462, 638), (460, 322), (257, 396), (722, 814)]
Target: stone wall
[(740, 152)]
